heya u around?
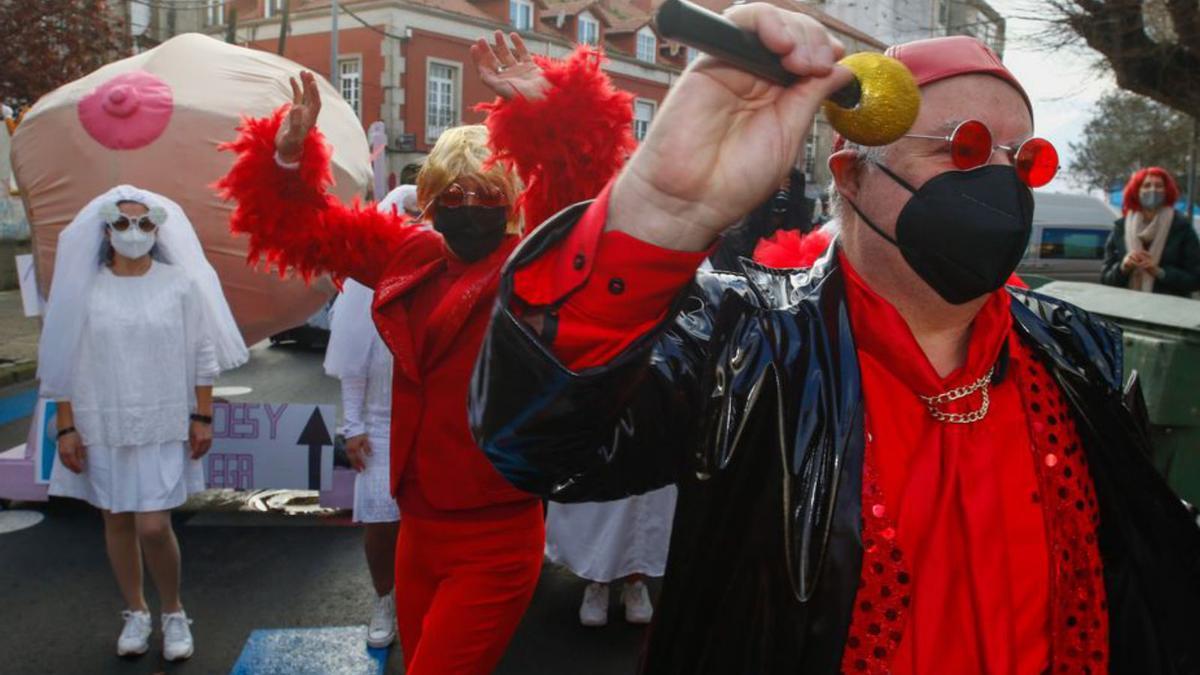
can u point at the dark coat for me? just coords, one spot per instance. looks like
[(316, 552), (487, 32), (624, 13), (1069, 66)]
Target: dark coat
[(1180, 259), (748, 397)]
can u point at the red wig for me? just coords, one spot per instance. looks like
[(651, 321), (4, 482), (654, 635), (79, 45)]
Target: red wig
[(1131, 202)]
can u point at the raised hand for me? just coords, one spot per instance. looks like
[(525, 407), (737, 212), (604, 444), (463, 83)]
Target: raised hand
[(508, 72), (302, 117), (724, 138)]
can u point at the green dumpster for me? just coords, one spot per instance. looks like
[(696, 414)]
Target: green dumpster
[(1162, 343)]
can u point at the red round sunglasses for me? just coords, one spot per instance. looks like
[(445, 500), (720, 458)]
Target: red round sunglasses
[(971, 147)]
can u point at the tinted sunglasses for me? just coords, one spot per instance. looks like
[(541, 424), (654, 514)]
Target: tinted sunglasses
[(971, 146), (455, 196), (142, 223)]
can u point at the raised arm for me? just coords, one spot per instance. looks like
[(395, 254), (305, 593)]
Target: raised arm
[(560, 124), (280, 181), (592, 383)]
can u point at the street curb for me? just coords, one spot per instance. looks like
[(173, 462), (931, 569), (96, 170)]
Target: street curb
[(16, 373)]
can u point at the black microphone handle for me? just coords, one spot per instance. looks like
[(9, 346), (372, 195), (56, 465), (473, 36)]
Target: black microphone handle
[(713, 34)]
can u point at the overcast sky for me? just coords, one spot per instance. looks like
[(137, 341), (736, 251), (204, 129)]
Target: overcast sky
[(1064, 85)]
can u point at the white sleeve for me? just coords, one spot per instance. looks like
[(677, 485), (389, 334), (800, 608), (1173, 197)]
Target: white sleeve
[(200, 338), (354, 399)]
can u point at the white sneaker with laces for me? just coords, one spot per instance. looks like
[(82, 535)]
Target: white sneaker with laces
[(636, 598), (177, 636), (382, 630), (594, 610), (135, 636)]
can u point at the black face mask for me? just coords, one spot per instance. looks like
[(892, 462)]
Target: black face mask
[(963, 232), (471, 232)]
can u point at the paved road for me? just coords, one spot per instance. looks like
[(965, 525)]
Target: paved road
[(244, 572)]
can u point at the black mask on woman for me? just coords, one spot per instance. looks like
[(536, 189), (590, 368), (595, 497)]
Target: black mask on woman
[(963, 232), (471, 232)]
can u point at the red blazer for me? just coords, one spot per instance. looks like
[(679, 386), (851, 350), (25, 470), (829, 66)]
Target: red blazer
[(565, 147)]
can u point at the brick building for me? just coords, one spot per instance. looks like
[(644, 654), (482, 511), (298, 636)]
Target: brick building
[(406, 62)]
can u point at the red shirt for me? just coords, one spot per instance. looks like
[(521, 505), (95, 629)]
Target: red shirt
[(960, 495)]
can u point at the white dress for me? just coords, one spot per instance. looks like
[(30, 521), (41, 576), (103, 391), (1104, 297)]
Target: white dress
[(367, 408), (605, 541), (143, 351)]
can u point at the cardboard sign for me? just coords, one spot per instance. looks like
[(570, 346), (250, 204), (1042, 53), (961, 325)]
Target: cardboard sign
[(45, 440), (277, 446), (255, 446), (31, 302)]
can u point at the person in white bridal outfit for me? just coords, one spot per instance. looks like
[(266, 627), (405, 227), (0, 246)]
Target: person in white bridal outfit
[(357, 356), (602, 542), (136, 330)]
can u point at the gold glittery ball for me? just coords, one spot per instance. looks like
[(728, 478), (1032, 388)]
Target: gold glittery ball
[(889, 105)]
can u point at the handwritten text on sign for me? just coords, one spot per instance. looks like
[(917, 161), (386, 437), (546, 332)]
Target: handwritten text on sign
[(276, 446)]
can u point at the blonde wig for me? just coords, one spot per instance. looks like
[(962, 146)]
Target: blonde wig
[(462, 153)]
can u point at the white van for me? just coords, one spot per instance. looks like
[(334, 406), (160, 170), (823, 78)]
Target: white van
[(1069, 232)]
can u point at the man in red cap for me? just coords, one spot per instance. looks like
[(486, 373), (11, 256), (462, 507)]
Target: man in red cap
[(887, 462)]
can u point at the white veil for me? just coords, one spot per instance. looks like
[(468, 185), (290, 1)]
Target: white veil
[(351, 332), (77, 262), (401, 198), (351, 328)]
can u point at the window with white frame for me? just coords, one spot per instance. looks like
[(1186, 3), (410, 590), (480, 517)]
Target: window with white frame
[(520, 14), (589, 29), (350, 80), (272, 7), (214, 12), (643, 113), (441, 109), (647, 45)]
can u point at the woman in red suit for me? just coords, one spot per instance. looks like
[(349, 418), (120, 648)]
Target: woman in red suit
[(470, 544)]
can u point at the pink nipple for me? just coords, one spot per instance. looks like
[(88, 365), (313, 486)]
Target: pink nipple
[(127, 112)]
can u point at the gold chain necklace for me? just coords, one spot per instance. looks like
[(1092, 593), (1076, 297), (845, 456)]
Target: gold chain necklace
[(981, 385)]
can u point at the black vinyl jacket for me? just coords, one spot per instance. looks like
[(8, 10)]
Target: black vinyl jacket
[(748, 398)]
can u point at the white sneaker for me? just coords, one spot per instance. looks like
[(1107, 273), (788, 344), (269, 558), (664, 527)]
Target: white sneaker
[(636, 598), (382, 630), (594, 610), (135, 636), (177, 636)]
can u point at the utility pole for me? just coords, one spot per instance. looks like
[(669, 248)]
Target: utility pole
[(334, 75), (283, 25), (1191, 203)]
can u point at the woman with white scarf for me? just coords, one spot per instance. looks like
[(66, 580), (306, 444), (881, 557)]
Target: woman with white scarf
[(1152, 248), (358, 357), (136, 330)]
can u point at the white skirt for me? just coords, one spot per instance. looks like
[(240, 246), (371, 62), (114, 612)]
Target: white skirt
[(373, 500), (605, 541), (137, 478)]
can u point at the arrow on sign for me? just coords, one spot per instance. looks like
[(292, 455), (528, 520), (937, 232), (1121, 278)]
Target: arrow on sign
[(315, 436)]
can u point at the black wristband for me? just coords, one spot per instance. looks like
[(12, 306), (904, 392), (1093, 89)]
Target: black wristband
[(205, 419), (64, 432)]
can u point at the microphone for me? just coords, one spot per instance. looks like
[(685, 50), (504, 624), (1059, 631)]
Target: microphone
[(876, 108)]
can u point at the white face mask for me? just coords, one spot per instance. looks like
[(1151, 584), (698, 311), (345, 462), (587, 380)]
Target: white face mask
[(132, 243)]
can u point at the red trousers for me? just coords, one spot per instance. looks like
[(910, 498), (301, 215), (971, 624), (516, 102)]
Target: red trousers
[(462, 587)]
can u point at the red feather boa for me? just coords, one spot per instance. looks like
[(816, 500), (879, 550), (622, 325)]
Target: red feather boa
[(789, 249), (567, 145)]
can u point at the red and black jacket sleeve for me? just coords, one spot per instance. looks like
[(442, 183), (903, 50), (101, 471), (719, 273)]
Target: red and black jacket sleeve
[(590, 376)]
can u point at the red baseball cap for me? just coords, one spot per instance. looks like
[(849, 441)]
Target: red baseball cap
[(940, 58)]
